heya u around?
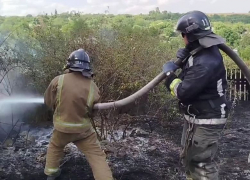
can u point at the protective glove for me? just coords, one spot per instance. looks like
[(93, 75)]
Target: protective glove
[(170, 67), (170, 77), (182, 53), (172, 83)]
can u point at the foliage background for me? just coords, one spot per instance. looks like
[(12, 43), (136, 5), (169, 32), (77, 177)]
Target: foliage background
[(127, 51)]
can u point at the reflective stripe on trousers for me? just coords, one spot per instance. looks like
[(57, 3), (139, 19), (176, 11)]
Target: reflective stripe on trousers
[(87, 143), (52, 170), (213, 121)]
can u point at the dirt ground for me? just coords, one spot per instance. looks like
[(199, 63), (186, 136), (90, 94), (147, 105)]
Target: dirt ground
[(149, 152)]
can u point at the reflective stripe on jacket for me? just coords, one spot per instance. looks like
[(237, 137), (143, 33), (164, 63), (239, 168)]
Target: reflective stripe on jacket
[(72, 96), (204, 81)]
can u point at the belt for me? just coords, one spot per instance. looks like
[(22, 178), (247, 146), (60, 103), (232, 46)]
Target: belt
[(197, 108), (205, 121)]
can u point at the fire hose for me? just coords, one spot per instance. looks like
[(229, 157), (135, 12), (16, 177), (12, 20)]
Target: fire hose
[(130, 99)]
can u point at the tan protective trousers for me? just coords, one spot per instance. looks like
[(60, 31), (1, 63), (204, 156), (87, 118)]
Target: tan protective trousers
[(87, 143)]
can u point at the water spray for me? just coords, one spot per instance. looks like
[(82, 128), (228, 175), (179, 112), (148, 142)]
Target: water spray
[(23, 100)]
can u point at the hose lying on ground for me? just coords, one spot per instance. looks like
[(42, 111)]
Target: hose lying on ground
[(123, 102)]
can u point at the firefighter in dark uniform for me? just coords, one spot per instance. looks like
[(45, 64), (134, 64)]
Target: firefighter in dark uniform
[(200, 88)]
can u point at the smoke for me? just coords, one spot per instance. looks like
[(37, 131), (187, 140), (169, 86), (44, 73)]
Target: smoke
[(13, 115), (18, 102)]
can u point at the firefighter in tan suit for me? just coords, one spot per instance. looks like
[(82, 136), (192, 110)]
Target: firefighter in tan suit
[(71, 96)]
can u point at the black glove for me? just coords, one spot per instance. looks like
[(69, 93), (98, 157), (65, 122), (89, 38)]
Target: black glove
[(170, 67), (182, 53), (170, 77)]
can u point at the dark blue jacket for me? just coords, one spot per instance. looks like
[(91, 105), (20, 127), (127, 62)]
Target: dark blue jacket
[(204, 84)]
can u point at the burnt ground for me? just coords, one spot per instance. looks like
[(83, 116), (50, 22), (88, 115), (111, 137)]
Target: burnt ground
[(235, 145), (149, 152)]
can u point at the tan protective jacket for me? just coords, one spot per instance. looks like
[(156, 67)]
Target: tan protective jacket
[(71, 96)]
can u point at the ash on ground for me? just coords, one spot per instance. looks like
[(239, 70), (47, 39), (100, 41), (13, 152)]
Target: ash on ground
[(150, 151)]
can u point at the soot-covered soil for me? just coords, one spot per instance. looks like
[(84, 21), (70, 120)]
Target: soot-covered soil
[(149, 152)]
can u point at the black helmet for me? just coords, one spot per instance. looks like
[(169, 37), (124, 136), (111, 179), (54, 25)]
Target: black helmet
[(194, 25), (79, 61)]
